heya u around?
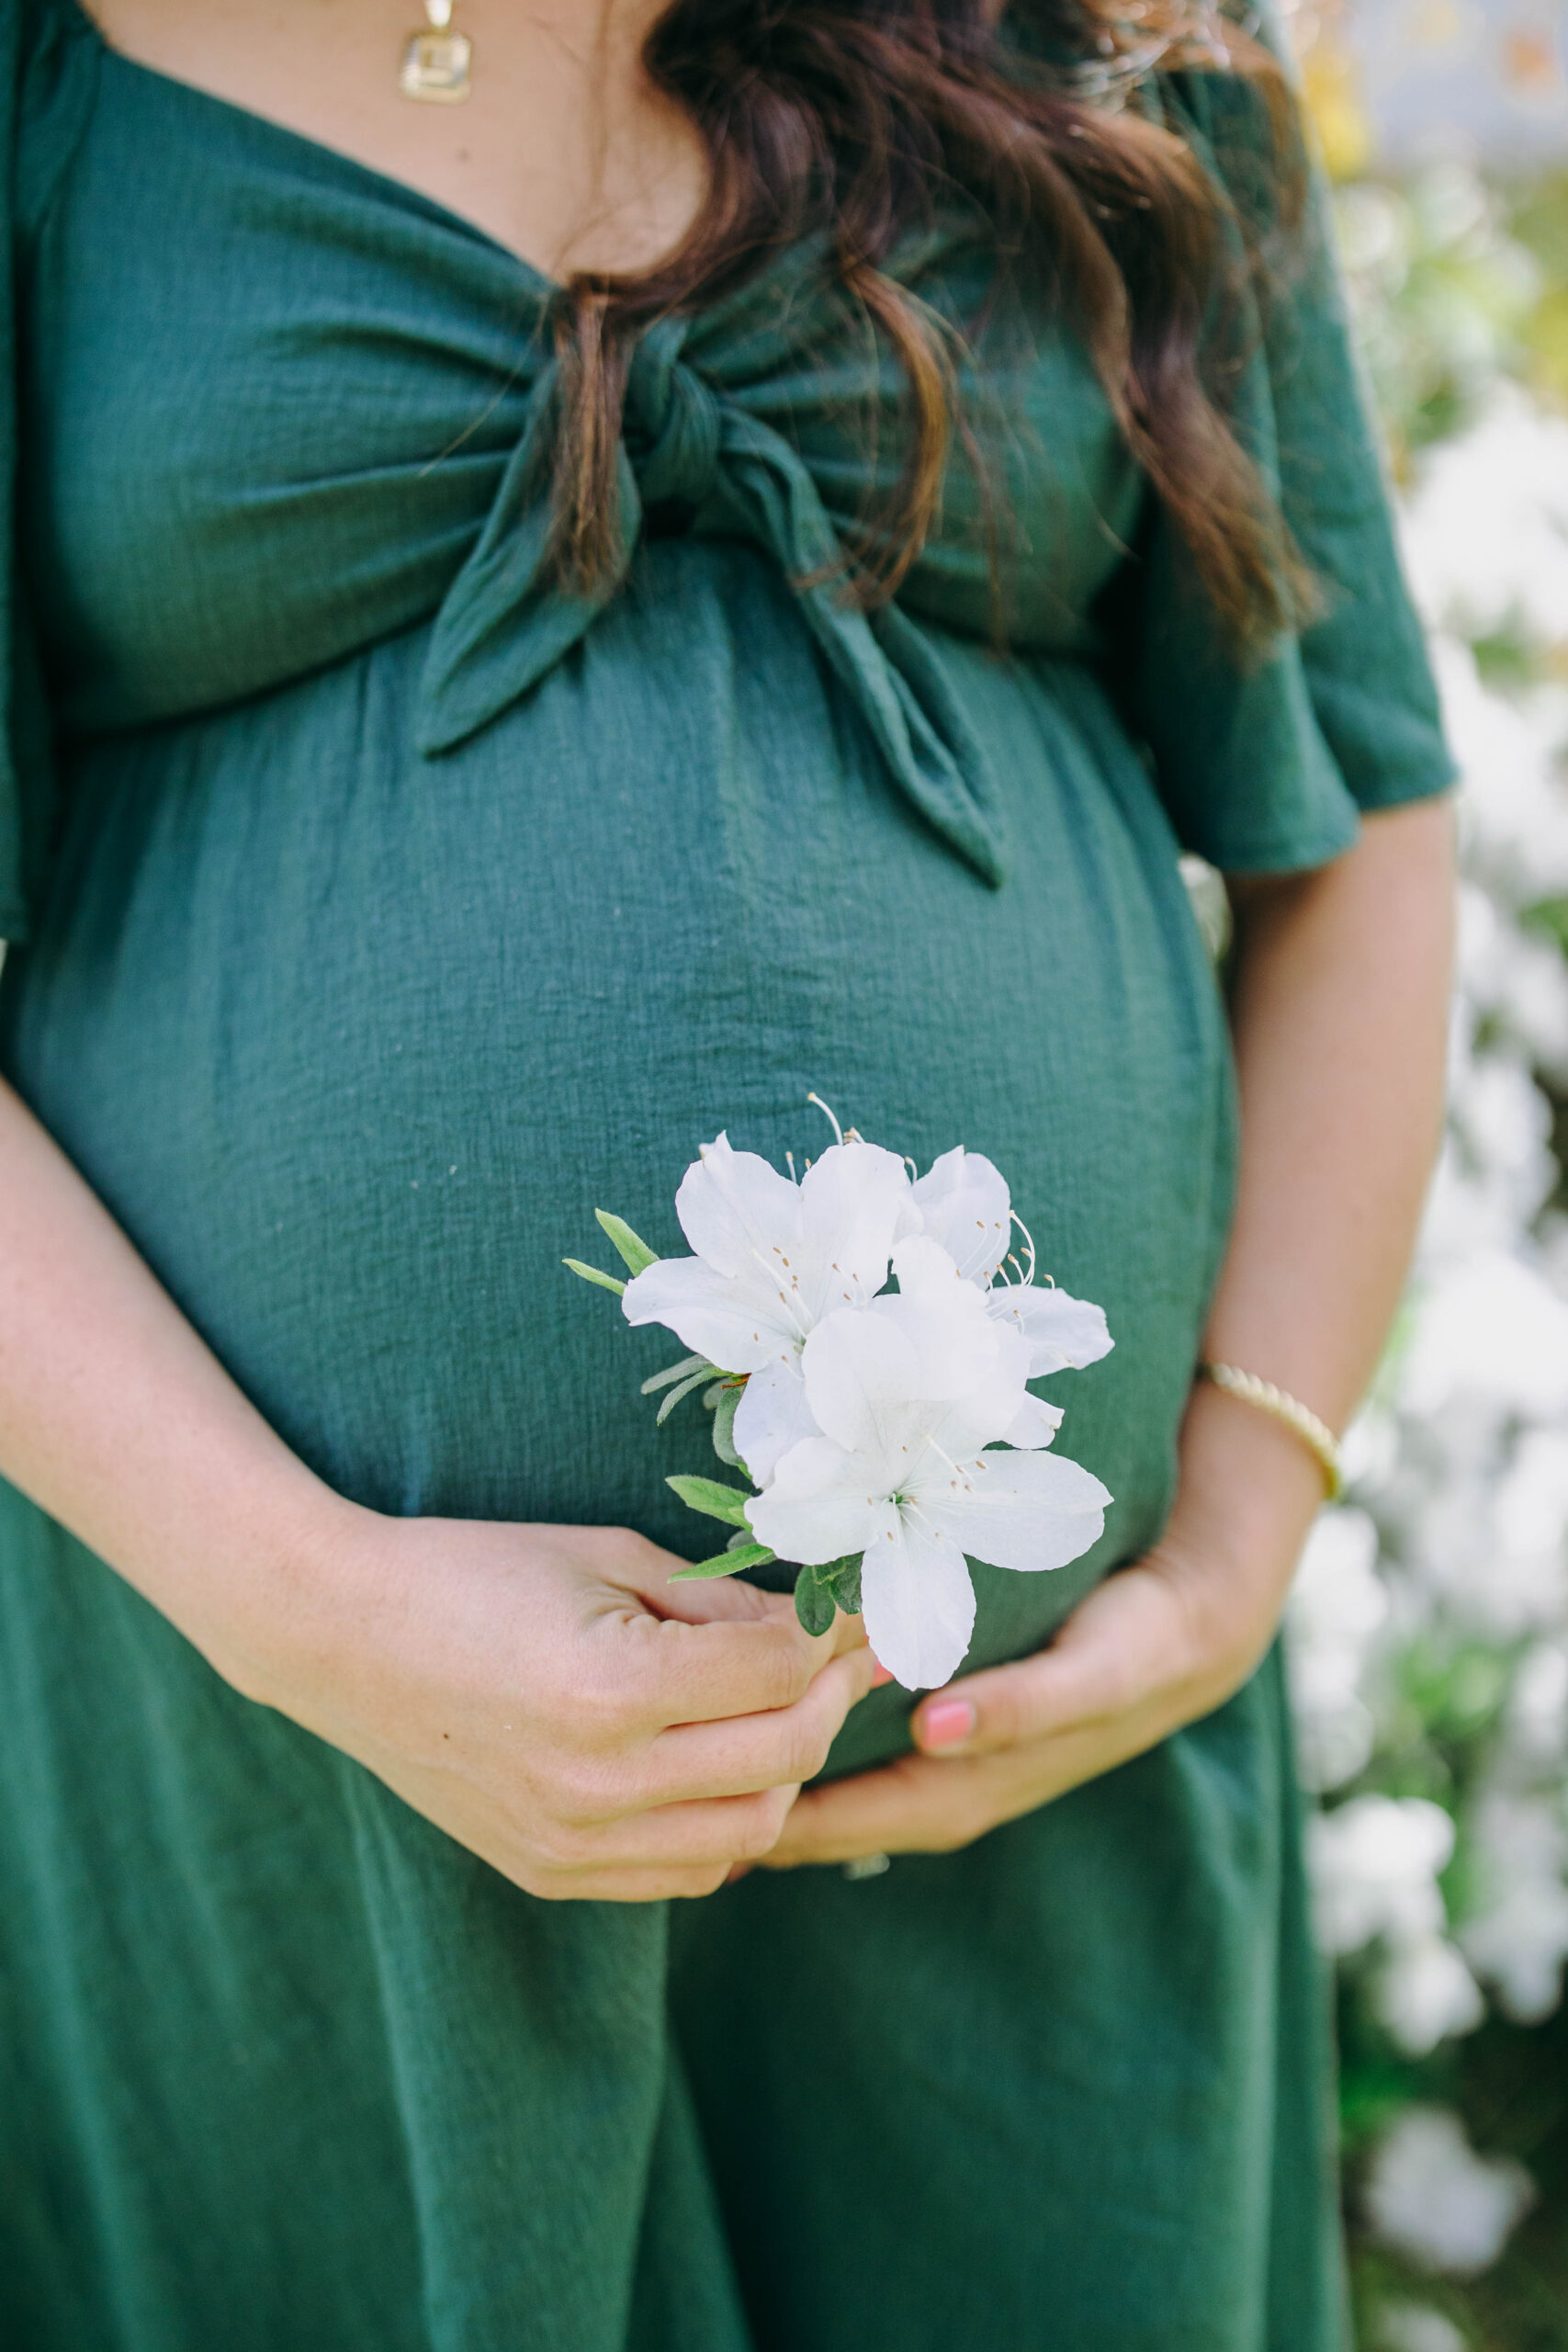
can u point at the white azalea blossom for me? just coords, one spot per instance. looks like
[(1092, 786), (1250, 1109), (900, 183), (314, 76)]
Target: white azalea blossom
[(1415, 2327), (890, 1430), (910, 1396), (1516, 1937), (1338, 1605), (1430, 2195), (770, 1259), (966, 1207), (1424, 1993), (1374, 1866)]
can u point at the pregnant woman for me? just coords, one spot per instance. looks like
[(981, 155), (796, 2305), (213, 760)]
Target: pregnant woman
[(576, 572)]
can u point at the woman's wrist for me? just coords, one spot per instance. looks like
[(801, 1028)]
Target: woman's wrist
[(270, 1605), (1248, 1492)]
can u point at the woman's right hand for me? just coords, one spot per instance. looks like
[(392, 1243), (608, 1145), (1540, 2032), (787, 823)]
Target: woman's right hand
[(549, 1698), (544, 1694)]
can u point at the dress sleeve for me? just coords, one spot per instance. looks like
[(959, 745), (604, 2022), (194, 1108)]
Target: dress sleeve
[(1265, 767), (27, 796)]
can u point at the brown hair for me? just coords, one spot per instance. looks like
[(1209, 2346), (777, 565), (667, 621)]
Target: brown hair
[(844, 117)]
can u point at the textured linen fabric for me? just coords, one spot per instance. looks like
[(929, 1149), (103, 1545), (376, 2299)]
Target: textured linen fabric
[(387, 909)]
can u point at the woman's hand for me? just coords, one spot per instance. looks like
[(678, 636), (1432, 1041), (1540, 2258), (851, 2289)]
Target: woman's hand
[(1338, 1008), (544, 1694), (1155, 1647), (549, 1698)]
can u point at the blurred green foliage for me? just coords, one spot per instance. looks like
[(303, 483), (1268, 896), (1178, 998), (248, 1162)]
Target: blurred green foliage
[(1460, 283)]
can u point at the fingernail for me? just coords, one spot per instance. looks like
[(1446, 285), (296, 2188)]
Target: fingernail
[(883, 1674), (947, 1724), (736, 1871)]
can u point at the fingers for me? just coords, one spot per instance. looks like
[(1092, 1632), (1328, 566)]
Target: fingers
[(746, 1753), (705, 1839), (1122, 1651), (633, 1565), (913, 1805), (631, 1886), (623, 1559), (673, 1671), (711, 1599)]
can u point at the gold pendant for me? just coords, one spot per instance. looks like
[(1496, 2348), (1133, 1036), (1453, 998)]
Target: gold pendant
[(435, 63)]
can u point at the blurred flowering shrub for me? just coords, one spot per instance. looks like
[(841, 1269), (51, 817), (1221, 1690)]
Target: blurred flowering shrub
[(1428, 1631)]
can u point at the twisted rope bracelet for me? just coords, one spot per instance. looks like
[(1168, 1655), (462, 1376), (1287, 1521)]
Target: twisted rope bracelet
[(1298, 1419)]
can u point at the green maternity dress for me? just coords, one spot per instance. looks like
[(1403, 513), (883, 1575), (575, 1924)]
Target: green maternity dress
[(378, 910)]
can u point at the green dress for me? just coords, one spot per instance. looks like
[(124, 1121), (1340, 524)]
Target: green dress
[(384, 910)]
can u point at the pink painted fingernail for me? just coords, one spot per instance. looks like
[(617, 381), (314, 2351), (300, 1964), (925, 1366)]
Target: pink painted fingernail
[(947, 1724), (883, 1674)]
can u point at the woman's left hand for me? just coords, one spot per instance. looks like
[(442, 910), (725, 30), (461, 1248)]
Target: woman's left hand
[(1155, 1646), (1340, 1115)]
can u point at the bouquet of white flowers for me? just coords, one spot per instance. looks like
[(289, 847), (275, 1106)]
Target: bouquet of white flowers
[(889, 1433)]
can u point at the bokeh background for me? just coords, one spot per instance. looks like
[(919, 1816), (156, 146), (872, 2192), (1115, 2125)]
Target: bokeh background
[(1429, 1627)]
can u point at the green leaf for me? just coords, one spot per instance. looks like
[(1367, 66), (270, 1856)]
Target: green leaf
[(727, 1564), (842, 1579), (694, 1381), (724, 1426), (592, 1274), (707, 1495), (636, 1253), (681, 1371), (814, 1603)]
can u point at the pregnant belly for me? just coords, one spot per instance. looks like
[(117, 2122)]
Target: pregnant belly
[(354, 1044)]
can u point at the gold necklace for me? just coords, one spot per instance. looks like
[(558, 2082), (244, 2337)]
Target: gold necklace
[(436, 60)]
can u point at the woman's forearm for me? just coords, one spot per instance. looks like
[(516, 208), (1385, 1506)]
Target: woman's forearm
[(1340, 1018), (543, 1694), (1339, 1008), (118, 1418)]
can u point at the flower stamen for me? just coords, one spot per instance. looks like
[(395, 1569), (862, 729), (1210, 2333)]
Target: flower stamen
[(833, 1122)]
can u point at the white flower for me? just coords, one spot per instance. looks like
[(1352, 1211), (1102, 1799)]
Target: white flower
[(1493, 1331), (965, 1206), (1415, 2327), (1424, 1993), (966, 1209), (1430, 2197), (910, 1394), (1518, 1937), (1537, 1718), (1374, 1869), (773, 1258), (1486, 533), (1337, 1607)]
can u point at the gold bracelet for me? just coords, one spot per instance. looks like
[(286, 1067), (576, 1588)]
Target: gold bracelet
[(1316, 1435)]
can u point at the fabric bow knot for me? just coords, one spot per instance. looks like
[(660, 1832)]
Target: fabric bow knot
[(508, 619), (674, 427)]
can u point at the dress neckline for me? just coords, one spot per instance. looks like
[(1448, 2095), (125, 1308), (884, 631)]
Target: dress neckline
[(387, 186)]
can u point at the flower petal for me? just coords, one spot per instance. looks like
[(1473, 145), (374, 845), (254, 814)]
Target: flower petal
[(852, 1201), (1060, 1331), (772, 1414), (946, 1321), (734, 1210), (990, 1407), (966, 1206), (861, 1375), (1021, 1510), (709, 1313), (818, 1508), (1036, 1425), (918, 1603)]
